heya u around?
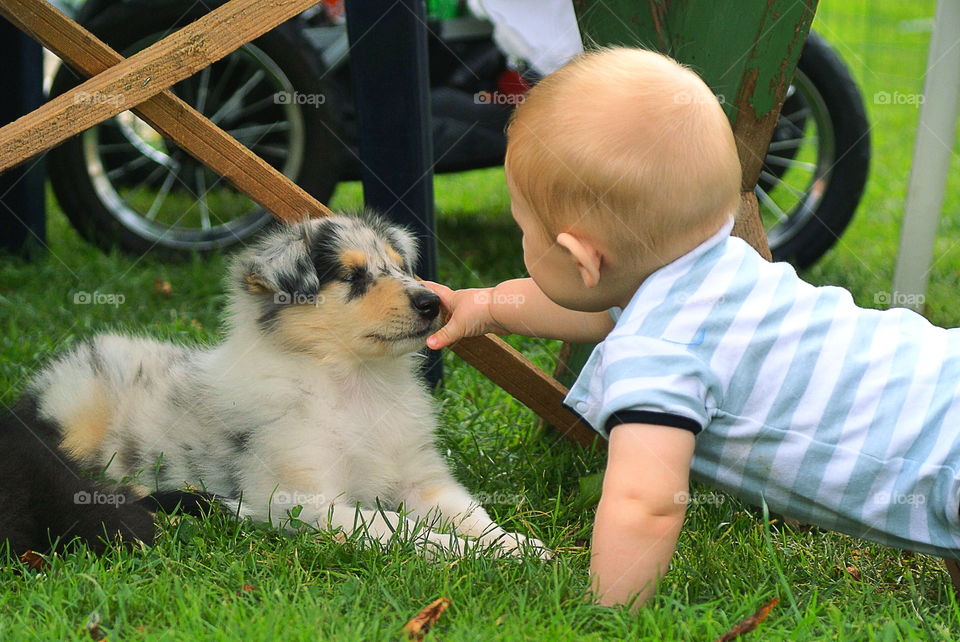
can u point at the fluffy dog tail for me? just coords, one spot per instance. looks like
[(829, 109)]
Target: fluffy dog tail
[(46, 502)]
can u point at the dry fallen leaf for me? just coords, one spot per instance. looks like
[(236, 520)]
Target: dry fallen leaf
[(93, 628), (750, 623), (421, 623), (33, 559), (163, 288), (850, 570)]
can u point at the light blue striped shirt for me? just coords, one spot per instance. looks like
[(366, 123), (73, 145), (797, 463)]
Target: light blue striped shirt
[(832, 414)]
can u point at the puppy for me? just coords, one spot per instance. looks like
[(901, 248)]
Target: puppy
[(309, 411)]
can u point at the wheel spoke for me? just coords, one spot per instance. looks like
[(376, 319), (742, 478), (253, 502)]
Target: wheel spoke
[(154, 173), (259, 130), (108, 148), (225, 75), (161, 196), (775, 180), (764, 198), (203, 89), (236, 99), (790, 143), (202, 203), (272, 150), (132, 164), (252, 108), (797, 115), (789, 162)]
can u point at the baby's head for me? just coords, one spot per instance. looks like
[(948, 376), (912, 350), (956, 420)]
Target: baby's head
[(627, 153)]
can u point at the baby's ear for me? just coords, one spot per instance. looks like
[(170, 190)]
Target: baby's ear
[(588, 258)]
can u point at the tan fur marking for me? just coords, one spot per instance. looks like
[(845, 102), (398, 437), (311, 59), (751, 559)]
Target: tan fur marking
[(335, 329), (431, 493), (395, 256), (83, 433), (291, 476), (385, 299), (256, 284), (304, 327), (354, 259)]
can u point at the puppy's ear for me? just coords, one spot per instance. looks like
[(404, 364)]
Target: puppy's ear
[(257, 284), (280, 263), (405, 244), (251, 273)]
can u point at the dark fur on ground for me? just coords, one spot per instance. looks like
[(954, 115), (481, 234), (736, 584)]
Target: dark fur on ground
[(46, 501)]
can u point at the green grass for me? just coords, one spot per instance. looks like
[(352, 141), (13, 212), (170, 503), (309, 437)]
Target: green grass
[(191, 585)]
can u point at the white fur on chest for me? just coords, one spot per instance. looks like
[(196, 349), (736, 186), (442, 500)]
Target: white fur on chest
[(354, 433)]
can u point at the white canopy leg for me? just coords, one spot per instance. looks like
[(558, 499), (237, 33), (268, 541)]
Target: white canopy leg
[(931, 159)]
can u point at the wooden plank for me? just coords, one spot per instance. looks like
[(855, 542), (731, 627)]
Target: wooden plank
[(749, 226), (141, 76), (534, 388), (167, 113), (953, 569), (208, 143)]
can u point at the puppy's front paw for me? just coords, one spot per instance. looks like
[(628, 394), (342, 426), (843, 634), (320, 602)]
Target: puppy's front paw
[(437, 547), (517, 545)]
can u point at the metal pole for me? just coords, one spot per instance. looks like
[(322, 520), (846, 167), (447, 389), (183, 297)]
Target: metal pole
[(931, 159), (389, 73), (22, 212)]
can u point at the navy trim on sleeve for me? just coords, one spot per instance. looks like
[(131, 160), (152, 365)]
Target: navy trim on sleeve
[(582, 418), (650, 417)]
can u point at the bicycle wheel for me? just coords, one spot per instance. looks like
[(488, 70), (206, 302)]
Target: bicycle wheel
[(817, 162), (123, 184)]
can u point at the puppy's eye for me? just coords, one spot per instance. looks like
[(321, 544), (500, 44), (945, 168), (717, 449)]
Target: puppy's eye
[(349, 277)]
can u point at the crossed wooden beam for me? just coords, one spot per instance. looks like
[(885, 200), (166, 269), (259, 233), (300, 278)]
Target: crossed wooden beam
[(141, 83)]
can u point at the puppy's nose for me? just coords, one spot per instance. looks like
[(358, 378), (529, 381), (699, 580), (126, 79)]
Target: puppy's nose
[(426, 303)]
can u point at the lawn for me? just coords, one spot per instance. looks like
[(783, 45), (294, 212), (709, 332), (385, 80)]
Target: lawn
[(216, 579)]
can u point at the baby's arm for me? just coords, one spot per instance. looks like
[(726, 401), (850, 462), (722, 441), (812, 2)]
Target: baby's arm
[(514, 307), (641, 510)]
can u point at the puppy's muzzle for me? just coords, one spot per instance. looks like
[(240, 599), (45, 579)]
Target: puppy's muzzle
[(425, 303)]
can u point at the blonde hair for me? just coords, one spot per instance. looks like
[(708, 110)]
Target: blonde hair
[(628, 144)]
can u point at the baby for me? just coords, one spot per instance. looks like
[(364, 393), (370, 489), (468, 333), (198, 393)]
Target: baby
[(624, 180)]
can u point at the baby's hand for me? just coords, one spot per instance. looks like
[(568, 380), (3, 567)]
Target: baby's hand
[(468, 315)]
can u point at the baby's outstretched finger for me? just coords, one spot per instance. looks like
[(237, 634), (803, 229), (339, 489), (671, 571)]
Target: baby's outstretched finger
[(442, 291)]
